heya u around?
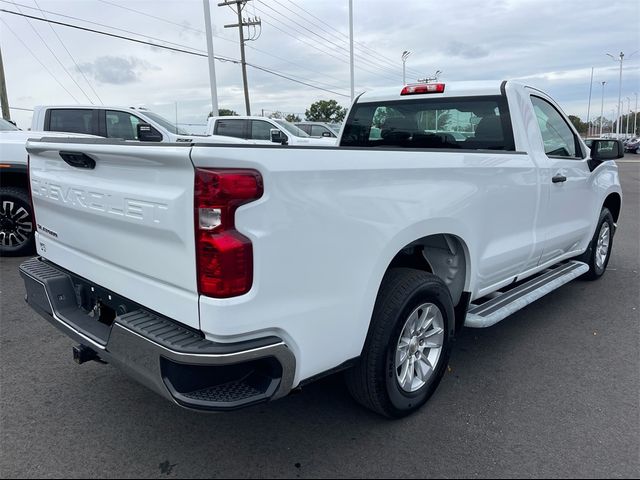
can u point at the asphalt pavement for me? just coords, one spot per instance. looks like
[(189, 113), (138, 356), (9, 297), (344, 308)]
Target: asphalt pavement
[(553, 391)]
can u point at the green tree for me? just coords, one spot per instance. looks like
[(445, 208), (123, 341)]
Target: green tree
[(277, 115), (292, 117), (581, 127), (325, 111), (225, 112)]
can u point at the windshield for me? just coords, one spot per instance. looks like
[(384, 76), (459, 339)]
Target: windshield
[(163, 122), (7, 126), (291, 128)]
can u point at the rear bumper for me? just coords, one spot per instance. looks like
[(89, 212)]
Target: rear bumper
[(176, 362)]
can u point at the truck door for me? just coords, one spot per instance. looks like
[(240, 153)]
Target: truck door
[(567, 201)]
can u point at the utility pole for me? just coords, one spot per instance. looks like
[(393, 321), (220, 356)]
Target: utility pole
[(602, 108), (589, 106), (351, 66), (255, 22), (212, 66), (4, 99)]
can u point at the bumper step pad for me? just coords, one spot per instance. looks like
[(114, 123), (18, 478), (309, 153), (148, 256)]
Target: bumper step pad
[(506, 303)]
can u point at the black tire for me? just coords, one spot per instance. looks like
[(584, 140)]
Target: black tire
[(373, 381), (16, 223), (589, 257)]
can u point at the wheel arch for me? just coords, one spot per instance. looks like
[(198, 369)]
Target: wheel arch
[(613, 202)]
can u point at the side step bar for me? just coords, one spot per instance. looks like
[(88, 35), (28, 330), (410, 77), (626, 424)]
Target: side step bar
[(504, 304)]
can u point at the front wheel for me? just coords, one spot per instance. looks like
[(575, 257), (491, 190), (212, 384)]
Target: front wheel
[(16, 223), (599, 252), (408, 345)]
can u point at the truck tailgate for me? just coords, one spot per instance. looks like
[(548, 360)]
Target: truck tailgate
[(120, 215)]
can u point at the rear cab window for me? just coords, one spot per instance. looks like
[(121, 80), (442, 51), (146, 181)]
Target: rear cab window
[(466, 123), (72, 120), (231, 128)]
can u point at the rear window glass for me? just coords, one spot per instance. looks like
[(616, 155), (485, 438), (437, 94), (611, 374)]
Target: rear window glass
[(469, 123), (68, 120)]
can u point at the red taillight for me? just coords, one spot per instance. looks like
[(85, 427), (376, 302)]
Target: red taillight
[(423, 88), (224, 256)]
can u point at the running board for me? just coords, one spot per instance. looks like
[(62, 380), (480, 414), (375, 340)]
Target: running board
[(504, 304)]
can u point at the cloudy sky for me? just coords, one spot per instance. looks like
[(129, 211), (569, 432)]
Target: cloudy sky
[(552, 44)]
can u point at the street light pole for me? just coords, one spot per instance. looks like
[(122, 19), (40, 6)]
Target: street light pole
[(405, 55), (621, 56), (635, 118), (602, 108), (588, 107), (628, 115), (212, 67)]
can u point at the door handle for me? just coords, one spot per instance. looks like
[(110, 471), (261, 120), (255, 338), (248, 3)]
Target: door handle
[(559, 178), (78, 160)]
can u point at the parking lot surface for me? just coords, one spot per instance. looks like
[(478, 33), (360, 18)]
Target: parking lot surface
[(552, 391)]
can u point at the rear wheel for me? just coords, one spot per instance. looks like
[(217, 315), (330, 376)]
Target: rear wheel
[(408, 344), (16, 223)]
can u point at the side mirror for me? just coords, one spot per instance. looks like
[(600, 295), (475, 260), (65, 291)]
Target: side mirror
[(605, 149), (146, 133), (277, 136), (327, 134)]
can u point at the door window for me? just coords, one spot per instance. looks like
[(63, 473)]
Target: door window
[(557, 136), (122, 125), (260, 130)]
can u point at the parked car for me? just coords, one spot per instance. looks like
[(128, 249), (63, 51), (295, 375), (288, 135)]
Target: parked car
[(221, 276), (632, 145), (264, 131), (127, 123), (319, 129)]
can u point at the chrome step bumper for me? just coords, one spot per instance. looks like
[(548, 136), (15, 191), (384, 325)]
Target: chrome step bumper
[(176, 362)]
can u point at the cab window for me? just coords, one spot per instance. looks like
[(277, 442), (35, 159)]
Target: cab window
[(71, 120), (260, 130), (557, 137), (231, 128), (121, 125)]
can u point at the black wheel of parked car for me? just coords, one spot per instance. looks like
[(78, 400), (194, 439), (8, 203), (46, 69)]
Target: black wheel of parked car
[(599, 252), (408, 344), (16, 223)]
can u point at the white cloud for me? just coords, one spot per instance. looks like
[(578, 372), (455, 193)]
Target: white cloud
[(552, 44)]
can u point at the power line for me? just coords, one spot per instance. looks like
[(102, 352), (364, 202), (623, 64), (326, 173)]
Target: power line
[(56, 57), (306, 42), (361, 45), (38, 60), (235, 42), (375, 64), (153, 16), (69, 53), (174, 49), (340, 49)]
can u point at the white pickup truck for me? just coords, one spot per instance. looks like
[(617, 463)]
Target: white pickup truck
[(127, 123), (264, 131), (221, 276)]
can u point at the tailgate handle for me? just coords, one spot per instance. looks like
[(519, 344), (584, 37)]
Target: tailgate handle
[(78, 160)]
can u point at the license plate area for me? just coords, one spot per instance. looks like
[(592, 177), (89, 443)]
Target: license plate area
[(85, 307)]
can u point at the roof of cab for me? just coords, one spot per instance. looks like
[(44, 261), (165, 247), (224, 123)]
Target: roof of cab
[(452, 89)]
